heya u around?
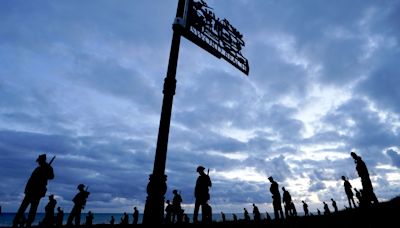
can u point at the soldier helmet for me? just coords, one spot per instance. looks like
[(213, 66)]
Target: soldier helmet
[(175, 191), (41, 157), (353, 154), (51, 196), (270, 178), (81, 186), (200, 168)]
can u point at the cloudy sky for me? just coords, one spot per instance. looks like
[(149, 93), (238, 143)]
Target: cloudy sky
[(82, 81)]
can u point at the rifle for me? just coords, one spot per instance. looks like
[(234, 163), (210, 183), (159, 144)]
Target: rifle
[(51, 161)]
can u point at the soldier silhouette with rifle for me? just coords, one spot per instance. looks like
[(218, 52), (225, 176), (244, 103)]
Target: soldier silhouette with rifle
[(48, 219), (35, 189), (201, 194), (79, 204)]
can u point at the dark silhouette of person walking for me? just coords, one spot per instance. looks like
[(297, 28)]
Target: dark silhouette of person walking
[(48, 219), (176, 206), (362, 170), (276, 198), (201, 193), (305, 208), (35, 189), (349, 193), (60, 217), (135, 216), (79, 204)]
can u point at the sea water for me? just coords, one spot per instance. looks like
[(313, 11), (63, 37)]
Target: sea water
[(102, 218)]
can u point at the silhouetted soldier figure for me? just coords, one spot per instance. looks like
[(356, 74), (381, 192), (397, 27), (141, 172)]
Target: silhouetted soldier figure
[(60, 217), (305, 208), (256, 214), (293, 208), (135, 216), (326, 209), (168, 210), (125, 219), (48, 219), (176, 206), (363, 173), (223, 217), (246, 215), (349, 192), (268, 216), (89, 219), (112, 221), (35, 189), (287, 202), (234, 217), (334, 205), (79, 203), (276, 198), (319, 212), (201, 193), (186, 218), (208, 214), (358, 196)]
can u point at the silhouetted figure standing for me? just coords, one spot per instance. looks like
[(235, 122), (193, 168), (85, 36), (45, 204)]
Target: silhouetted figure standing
[(358, 196), (125, 219), (208, 214), (319, 212), (268, 216), (48, 219), (246, 215), (276, 198), (256, 214), (334, 205), (326, 209), (223, 217), (35, 189), (201, 193), (305, 208), (168, 210), (79, 204), (112, 221), (89, 219), (287, 202), (176, 206), (135, 216), (60, 217), (186, 218), (349, 192), (234, 217), (368, 190)]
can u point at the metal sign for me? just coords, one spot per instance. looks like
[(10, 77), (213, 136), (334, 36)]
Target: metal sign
[(218, 37)]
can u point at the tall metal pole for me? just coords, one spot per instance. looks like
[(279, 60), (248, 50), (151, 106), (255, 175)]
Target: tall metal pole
[(157, 186)]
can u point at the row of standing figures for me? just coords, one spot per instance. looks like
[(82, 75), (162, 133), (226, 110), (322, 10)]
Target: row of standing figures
[(366, 195), (36, 189)]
